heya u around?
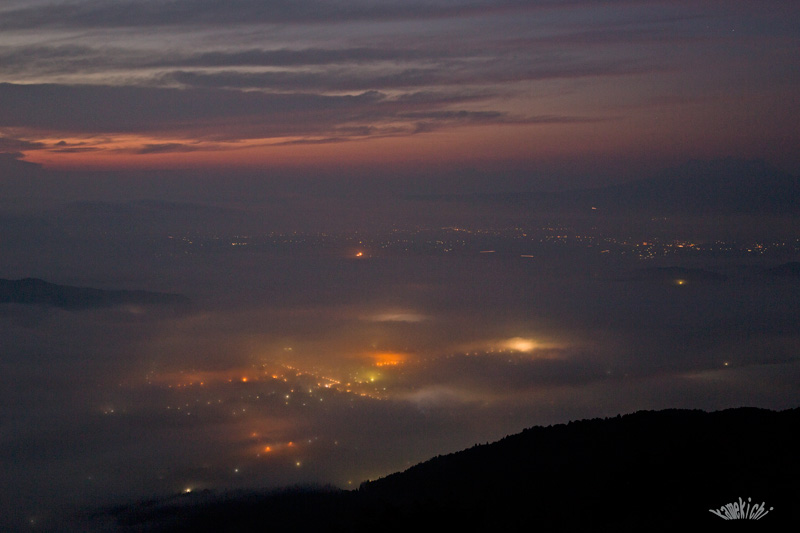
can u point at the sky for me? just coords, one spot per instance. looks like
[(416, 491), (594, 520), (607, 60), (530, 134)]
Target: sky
[(354, 197), (537, 86)]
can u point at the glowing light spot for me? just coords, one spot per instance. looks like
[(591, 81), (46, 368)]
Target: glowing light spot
[(187, 490), (520, 344), (244, 379), (267, 449), (359, 254)]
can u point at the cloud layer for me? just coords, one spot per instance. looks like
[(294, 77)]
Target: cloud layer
[(152, 75)]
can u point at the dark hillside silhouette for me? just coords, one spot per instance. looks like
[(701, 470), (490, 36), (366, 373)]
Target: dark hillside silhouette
[(39, 292), (643, 471)]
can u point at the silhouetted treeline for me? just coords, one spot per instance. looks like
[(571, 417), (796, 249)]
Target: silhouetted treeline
[(644, 471)]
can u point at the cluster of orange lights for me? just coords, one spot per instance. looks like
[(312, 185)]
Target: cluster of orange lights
[(388, 359), (274, 448), (269, 449), (180, 380), (177, 380)]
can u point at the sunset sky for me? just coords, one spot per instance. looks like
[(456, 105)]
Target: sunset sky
[(104, 84)]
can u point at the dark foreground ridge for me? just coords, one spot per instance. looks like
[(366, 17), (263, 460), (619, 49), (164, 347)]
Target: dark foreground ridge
[(647, 471), (39, 292)]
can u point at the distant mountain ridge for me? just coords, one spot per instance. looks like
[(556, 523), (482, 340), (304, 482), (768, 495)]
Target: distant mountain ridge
[(39, 292), (646, 471), (724, 186), (789, 270), (674, 275)]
